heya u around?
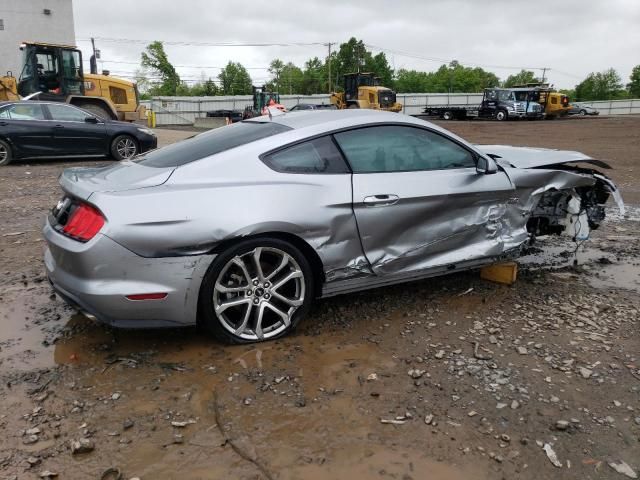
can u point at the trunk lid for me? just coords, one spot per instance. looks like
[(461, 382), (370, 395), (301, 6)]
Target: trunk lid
[(82, 182)]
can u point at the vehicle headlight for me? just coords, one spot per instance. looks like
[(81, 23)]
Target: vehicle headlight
[(509, 107), (148, 131)]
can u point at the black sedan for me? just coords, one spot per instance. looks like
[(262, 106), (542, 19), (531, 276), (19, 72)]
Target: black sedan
[(30, 129)]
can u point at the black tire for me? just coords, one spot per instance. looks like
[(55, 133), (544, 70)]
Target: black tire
[(6, 154), (502, 115), (124, 147), (207, 299), (97, 110), (353, 105), (582, 112), (448, 115)]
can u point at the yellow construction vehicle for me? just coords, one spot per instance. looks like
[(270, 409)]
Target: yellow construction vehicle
[(363, 90), (54, 73)]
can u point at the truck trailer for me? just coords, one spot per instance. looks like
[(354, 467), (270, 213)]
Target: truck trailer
[(497, 104)]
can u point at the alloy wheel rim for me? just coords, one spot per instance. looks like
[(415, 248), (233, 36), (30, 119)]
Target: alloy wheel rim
[(257, 293), (3, 153), (126, 148)]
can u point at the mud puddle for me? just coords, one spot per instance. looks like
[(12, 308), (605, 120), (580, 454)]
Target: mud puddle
[(604, 267)]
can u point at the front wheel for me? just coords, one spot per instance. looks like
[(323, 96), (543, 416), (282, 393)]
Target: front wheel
[(583, 112), (5, 153), (257, 290), (502, 115), (124, 147), (353, 105)]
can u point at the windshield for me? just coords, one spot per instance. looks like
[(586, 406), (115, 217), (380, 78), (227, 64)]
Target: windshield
[(210, 143), (505, 96)]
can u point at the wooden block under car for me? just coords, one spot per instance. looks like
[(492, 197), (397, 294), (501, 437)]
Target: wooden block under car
[(506, 272)]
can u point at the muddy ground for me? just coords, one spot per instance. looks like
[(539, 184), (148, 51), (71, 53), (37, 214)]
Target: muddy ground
[(449, 378)]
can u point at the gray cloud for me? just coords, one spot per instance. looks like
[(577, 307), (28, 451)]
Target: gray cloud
[(572, 37)]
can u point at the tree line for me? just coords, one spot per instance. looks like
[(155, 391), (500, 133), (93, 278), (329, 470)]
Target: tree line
[(158, 77)]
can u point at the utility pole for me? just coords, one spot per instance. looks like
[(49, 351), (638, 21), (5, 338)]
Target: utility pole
[(544, 71), (329, 64)]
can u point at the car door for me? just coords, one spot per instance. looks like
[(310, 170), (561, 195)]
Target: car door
[(73, 134), (419, 200), (25, 126)]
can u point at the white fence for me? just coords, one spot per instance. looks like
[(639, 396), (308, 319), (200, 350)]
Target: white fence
[(616, 107), (184, 110)]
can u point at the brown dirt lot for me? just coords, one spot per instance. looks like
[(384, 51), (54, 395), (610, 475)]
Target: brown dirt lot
[(449, 378)]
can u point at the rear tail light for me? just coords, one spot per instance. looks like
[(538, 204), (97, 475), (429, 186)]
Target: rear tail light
[(84, 223)]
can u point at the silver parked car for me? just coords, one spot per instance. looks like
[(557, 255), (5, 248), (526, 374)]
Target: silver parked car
[(582, 109), (240, 228)]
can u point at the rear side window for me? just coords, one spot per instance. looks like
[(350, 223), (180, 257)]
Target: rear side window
[(315, 156), (23, 111), (210, 143)]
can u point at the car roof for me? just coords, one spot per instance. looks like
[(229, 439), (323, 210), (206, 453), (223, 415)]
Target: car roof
[(304, 119), (40, 102)]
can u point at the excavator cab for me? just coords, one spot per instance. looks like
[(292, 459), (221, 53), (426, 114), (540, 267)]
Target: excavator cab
[(262, 99), (53, 71), (353, 81)]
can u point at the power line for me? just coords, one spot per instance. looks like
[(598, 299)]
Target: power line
[(205, 44), (445, 60), (183, 66)]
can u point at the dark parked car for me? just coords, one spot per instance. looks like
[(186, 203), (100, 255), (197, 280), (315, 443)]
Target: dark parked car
[(581, 109), (30, 129), (313, 106)]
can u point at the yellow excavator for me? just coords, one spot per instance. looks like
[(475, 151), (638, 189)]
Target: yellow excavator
[(54, 73), (363, 90)]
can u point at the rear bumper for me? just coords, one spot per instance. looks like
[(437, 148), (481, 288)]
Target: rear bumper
[(97, 276)]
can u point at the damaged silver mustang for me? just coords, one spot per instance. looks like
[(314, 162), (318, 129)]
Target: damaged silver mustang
[(240, 228)]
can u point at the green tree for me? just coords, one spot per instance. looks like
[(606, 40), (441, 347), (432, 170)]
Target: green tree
[(521, 78), (353, 56), (314, 77), (235, 80), (275, 69), (634, 86), (379, 65), (605, 85), (411, 81), (155, 59)]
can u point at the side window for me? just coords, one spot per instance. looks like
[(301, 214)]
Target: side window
[(401, 149), (64, 113), (118, 95), (23, 111), (315, 156)]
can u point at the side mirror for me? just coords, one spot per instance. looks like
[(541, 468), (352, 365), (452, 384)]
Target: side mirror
[(91, 120), (486, 166)]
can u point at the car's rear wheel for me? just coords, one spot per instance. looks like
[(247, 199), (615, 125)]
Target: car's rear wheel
[(5, 153), (353, 105), (447, 115), (257, 290), (124, 147)]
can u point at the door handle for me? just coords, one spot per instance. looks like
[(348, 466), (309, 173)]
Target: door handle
[(3, 124), (58, 126), (381, 200)]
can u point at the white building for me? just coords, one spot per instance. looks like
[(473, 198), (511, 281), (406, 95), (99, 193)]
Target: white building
[(47, 21)]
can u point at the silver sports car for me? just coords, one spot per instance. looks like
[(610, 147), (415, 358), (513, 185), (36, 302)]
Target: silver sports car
[(240, 228)]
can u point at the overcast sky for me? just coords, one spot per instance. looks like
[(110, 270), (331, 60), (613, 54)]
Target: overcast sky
[(571, 37)]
